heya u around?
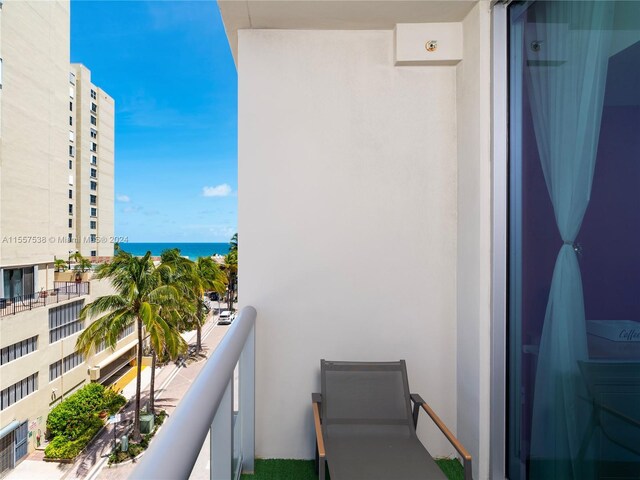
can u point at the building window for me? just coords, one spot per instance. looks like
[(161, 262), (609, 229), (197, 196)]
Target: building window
[(94, 107), (94, 147), (71, 209), (70, 121), (94, 160), (63, 321), (94, 120), (72, 151), (94, 95), (71, 91), (55, 370), (93, 224), (63, 366), (70, 239), (92, 238), (17, 282), (94, 212), (93, 253), (94, 133), (72, 78), (71, 136), (17, 350), (93, 185), (71, 106), (94, 173), (18, 391), (93, 199), (72, 361), (70, 193), (70, 223), (70, 166)]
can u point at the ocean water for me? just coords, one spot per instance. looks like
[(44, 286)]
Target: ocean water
[(191, 250)]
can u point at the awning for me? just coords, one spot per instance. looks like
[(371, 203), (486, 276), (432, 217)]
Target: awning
[(117, 354), (4, 431)]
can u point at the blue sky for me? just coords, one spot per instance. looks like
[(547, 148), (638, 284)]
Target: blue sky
[(170, 71)]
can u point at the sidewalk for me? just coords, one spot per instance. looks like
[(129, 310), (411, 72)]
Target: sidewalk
[(172, 382)]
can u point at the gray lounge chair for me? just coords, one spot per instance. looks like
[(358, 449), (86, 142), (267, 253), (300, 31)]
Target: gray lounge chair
[(366, 428)]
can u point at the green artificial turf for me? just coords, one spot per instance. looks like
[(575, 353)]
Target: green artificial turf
[(451, 467), (279, 469)]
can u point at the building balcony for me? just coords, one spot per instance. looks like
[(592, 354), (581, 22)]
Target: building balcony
[(60, 292), (217, 417)]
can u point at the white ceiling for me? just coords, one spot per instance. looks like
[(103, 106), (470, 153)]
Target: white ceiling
[(335, 14)]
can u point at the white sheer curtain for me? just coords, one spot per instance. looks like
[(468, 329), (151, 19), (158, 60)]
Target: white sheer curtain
[(567, 57)]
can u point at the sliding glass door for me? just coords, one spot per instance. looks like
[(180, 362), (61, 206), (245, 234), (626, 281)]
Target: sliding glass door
[(17, 282), (574, 240)]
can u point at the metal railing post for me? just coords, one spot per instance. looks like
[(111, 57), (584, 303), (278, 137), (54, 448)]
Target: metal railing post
[(247, 400), (221, 438)]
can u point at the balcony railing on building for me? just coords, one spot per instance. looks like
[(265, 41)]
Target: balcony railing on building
[(60, 292), (210, 407)]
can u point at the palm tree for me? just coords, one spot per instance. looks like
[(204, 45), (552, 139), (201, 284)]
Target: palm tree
[(83, 264), (207, 277), (193, 279), (230, 268), (60, 265), (76, 257), (233, 244), (140, 298), (171, 313)]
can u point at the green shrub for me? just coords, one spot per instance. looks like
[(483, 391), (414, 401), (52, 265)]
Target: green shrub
[(62, 447), (113, 401), (135, 449), (118, 457), (74, 421), (160, 418), (71, 417)]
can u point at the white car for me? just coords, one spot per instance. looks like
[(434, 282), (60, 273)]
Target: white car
[(226, 317)]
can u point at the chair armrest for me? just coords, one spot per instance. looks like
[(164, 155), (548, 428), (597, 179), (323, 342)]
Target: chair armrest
[(316, 398), (466, 456)]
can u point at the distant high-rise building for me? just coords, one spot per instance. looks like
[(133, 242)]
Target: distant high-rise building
[(56, 198), (91, 165)]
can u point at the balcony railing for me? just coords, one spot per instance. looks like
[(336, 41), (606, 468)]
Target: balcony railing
[(60, 292), (209, 406)]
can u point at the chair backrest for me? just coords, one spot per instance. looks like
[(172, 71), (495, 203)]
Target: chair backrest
[(365, 393)]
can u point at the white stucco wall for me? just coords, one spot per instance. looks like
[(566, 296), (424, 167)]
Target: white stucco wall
[(474, 238), (35, 136), (347, 215)]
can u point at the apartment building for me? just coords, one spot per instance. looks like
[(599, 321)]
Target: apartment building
[(91, 165), (56, 190)]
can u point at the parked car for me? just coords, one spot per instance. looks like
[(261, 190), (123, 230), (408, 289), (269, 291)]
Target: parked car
[(226, 317)]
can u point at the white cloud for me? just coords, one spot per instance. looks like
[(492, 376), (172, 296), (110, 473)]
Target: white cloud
[(221, 190), (123, 198)]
